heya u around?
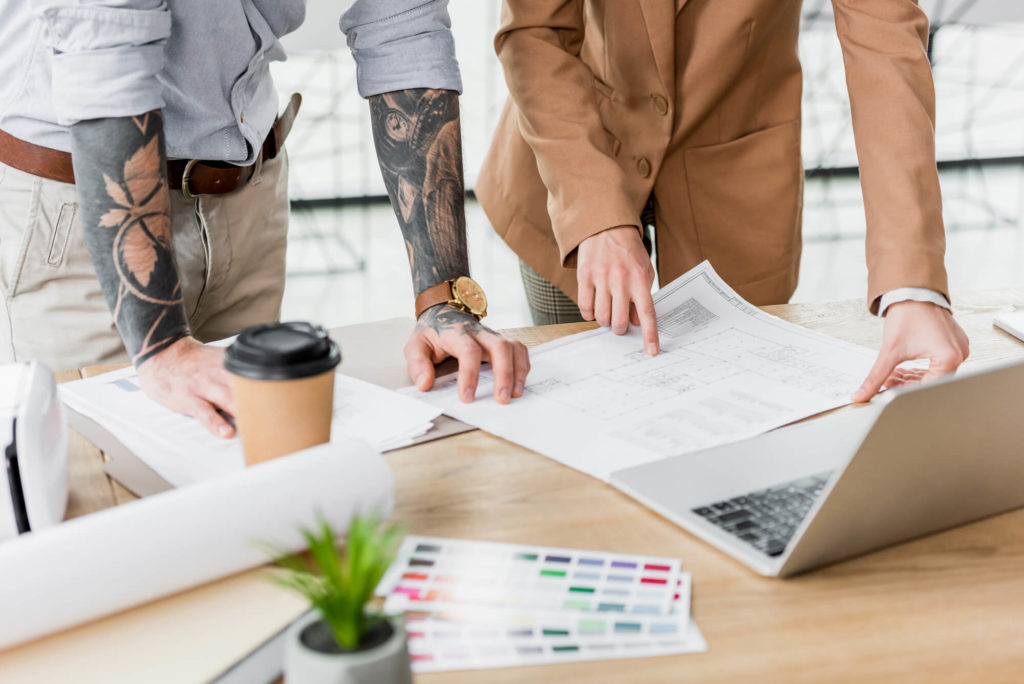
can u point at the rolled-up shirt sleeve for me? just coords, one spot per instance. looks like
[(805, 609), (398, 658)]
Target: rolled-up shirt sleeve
[(401, 44), (106, 57)]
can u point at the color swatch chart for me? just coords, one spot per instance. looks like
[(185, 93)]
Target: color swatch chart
[(438, 643), (472, 605), (430, 573)]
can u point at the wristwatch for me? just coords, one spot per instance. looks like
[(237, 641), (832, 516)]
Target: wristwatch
[(463, 293)]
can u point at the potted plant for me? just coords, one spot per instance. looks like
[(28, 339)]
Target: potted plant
[(344, 640)]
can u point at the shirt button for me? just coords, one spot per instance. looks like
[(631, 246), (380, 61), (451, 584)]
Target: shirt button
[(643, 167), (660, 104)]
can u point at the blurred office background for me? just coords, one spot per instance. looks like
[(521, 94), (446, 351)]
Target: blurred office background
[(347, 262)]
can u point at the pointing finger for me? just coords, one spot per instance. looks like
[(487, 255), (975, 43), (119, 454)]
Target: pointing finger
[(648, 323)]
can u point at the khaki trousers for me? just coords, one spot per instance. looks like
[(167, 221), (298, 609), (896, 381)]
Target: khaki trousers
[(230, 252)]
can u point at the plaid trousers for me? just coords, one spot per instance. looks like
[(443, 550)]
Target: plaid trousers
[(548, 304)]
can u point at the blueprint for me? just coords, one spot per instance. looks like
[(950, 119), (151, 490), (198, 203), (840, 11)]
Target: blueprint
[(726, 371), (182, 451)]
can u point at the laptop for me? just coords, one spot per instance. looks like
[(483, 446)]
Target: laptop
[(916, 462)]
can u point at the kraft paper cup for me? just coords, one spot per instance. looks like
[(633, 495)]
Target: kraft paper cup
[(283, 383)]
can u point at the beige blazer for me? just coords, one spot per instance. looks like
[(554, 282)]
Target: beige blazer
[(698, 101)]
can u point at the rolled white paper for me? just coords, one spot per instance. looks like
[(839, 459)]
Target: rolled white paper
[(107, 561)]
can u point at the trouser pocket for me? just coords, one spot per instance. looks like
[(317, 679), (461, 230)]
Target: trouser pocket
[(40, 237), (19, 199), (61, 233), (54, 305)]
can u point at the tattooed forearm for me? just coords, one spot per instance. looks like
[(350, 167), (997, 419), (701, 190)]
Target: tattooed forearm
[(121, 176), (419, 147)]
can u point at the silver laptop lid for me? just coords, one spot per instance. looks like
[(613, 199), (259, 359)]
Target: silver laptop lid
[(939, 455)]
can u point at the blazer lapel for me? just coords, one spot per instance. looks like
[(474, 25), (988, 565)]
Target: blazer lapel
[(660, 18)]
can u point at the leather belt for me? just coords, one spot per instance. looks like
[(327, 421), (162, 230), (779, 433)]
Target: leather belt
[(193, 177)]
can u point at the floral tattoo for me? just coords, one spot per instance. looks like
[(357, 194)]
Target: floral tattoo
[(120, 173)]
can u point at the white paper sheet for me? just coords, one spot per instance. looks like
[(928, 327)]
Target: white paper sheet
[(182, 451), (117, 558), (726, 371)]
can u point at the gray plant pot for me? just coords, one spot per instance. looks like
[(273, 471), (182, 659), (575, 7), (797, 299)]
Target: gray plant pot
[(308, 658)]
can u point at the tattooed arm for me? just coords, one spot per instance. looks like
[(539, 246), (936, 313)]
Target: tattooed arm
[(419, 148), (121, 177)]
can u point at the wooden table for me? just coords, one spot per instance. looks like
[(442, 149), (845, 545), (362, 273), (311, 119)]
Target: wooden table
[(947, 607)]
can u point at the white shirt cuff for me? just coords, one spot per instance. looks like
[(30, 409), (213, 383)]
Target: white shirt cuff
[(915, 294)]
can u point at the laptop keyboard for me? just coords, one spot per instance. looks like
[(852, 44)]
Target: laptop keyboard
[(766, 519)]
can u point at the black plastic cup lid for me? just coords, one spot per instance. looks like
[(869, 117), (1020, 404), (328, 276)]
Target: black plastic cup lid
[(282, 351)]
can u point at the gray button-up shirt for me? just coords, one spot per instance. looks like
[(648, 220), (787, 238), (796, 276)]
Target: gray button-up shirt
[(205, 63)]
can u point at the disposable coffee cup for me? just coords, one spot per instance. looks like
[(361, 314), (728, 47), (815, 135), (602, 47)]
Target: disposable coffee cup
[(282, 376)]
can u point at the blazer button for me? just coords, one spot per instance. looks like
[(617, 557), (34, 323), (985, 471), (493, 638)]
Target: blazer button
[(660, 104), (643, 167)]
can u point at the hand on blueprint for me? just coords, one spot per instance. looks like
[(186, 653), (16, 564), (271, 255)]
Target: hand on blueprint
[(615, 275), (444, 331), (915, 330), (189, 378)]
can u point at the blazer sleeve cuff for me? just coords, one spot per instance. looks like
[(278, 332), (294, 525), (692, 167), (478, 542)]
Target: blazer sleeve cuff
[(588, 218), (898, 270)]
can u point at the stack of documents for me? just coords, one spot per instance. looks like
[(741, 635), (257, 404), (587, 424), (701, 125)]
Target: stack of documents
[(182, 451), (472, 605), (727, 371)]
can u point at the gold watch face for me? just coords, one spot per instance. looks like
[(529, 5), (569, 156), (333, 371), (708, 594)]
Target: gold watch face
[(468, 293)]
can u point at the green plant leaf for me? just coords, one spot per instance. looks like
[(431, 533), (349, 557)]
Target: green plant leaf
[(340, 585)]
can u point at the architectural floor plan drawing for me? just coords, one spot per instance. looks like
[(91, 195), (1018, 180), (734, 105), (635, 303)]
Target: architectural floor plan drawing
[(726, 371)]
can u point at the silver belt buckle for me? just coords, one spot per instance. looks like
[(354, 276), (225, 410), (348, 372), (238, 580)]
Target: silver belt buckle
[(185, 176)]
